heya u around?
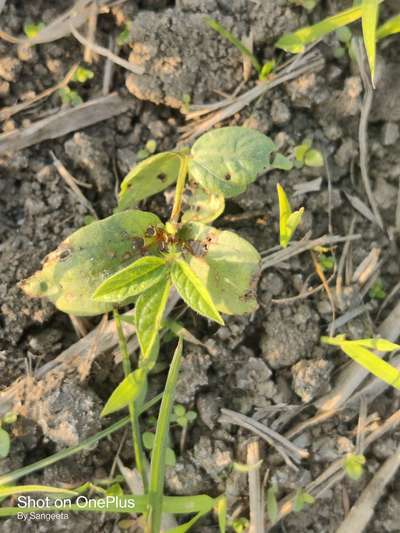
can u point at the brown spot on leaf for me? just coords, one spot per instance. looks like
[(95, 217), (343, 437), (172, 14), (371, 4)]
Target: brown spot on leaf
[(162, 176), (228, 177)]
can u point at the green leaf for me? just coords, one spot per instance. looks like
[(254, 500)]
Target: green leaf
[(374, 364), (267, 68), (179, 410), (227, 160), (370, 13), (281, 162), (149, 312), (132, 280), (203, 206), (72, 273), (191, 416), (288, 220), (192, 290), (127, 391), (302, 499), (222, 510), (4, 443), (390, 27), (354, 466), (158, 456), (301, 150), (296, 42), (180, 331), (313, 158), (170, 457), (245, 468), (272, 504), (148, 440), (228, 266), (216, 26), (23, 489), (82, 75), (149, 177)]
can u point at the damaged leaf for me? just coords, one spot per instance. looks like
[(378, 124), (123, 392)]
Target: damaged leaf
[(203, 206), (149, 177), (72, 273), (229, 267), (226, 160)]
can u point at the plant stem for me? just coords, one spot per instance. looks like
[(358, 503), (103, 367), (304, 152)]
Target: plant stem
[(157, 469), (180, 186), (133, 412)]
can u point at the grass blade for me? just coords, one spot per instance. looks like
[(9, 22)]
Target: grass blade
[(11, 477), (390, 27), (295, 42), (370, 13), (22, 489), (226, 34), (157, 469)]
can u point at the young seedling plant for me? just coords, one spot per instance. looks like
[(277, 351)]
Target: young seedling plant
[(132, 257)]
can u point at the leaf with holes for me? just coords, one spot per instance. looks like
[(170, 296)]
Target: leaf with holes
[(149, 177), (149, 313), (132, 280), (193, 291), (72, 273), (226, 160), (227, 265)]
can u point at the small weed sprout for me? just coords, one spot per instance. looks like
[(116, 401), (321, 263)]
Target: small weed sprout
[(31, 29), (5, 441), (301, 500), (354, 466)]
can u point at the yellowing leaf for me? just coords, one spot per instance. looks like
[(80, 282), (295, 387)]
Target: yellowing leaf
[(192, 291), (227, 264), (288, 219), (149, 312), (132, 280), (382, 345), (149, 177), (374, 364), (72, 273), (204, 206), (370, 13), (226, 160), (353, 466)]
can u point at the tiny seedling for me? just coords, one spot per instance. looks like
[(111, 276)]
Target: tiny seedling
[(309, 5), (360, 351), (69, 96), (240, 525), (288, 219), (134, 258), (182, 417), (124, 36), (306, 155), (301, 500), (263, 70), (82, 75), (354, 466), (31, 29), (327, 262), (148, 150), (377, 290), (344, 36)]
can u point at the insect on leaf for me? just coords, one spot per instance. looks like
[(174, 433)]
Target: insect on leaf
[(295, 42), (227, 160), (127, 391), (132, 280), (370, 13), (149, 312), (193, 291), (149, 177), (228, 266), (288, 219), (203, 206), (72, 273)]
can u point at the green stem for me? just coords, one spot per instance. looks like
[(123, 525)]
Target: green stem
[(180, 186), (133, 412), (157, 469)]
